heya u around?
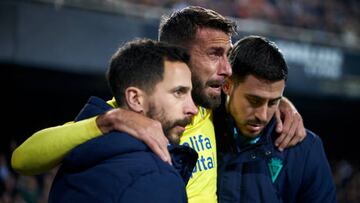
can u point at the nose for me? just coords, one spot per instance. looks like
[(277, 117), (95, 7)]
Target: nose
[(261, 113), (225, 67), (190, 108)]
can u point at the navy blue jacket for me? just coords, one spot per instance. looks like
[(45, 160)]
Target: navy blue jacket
[(118, 168), (260, 173)]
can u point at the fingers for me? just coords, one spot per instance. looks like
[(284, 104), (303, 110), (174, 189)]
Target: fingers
[(300, 134), (283, 139), (139, 126), (279, 125), (293, 130), (154, 137), (293, 133), (288, 135), (159, 148)]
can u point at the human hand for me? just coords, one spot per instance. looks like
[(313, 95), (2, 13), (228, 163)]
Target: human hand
[(141, 127), (290, 125)]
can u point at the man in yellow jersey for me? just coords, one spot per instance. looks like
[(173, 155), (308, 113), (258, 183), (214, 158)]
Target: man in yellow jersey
[(207, 36), (153, 79)]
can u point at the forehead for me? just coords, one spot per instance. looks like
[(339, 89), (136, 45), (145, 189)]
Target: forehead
[(261, 88), (209, 37), (175, 74)]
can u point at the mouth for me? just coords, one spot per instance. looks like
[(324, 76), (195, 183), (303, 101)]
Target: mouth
[(215, 86), (255, 127), (180, 128), (181, 124), (216, 90)]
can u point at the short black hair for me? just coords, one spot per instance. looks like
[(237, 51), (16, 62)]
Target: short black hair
[(140, 63), (258, 56), (180, 27)]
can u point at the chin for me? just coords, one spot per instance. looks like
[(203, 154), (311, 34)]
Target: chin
[(212, 94), (174, 141), (212, 101), (174, 138), (252, 134)]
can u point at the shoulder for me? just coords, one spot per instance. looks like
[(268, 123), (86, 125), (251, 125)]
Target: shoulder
[(311, 140), (308, 151), (101, 148)]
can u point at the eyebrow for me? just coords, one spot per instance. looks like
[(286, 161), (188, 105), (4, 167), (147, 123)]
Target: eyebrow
[(258, 97), (216, 49), (181, 88)]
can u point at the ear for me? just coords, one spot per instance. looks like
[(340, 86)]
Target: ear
[(228, 86), (135, 99)]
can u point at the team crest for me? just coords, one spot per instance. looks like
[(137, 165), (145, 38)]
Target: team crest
[(275, 166)]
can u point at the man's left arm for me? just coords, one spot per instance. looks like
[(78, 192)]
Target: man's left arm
[(290, 125)]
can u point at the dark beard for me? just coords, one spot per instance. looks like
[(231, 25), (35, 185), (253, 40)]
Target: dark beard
[(166, 124), (200, 98)]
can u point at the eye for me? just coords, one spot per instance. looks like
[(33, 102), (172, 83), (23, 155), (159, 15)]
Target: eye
[(213, 55), (216, 53), (273, 102), (254, 101), (180, 91)]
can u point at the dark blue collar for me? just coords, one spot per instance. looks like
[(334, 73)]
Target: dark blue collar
[(242, 142)]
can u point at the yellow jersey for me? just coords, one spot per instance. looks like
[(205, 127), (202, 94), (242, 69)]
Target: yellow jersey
[(200, 135)]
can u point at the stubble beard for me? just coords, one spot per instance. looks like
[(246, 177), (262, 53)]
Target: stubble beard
[(201, 98), (167, 125)]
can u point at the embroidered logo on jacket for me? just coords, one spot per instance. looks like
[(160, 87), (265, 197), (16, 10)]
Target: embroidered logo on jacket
[(275, 166)]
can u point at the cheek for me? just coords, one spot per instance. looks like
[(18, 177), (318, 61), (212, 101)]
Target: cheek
[(205, 70), (172, 108), (212, 69), (245, 112), (167, 106), (240, 110), (271, 112), (248, 112)]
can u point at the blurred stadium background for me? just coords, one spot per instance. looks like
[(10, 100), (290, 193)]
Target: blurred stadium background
[(54, 53)]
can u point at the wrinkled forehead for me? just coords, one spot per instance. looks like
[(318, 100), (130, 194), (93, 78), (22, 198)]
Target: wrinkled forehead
[(211, 33), (212, 37)]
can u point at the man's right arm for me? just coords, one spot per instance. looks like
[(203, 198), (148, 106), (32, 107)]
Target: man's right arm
[(46, 148)]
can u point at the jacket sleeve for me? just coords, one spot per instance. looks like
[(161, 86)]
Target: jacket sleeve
[(46, 148), (317, 183)]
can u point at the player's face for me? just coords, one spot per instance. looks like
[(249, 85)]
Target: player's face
[(252, 103), (171, 102), (209, 65)]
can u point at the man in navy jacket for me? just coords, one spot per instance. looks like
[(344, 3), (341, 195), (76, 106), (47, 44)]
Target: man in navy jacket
[(153, 79), (251, 168)]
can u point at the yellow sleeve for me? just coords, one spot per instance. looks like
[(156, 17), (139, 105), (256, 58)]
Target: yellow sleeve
[(46, 148)]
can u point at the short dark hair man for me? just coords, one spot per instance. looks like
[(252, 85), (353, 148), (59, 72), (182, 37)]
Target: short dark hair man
[(252, 169), (152, 79)]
